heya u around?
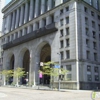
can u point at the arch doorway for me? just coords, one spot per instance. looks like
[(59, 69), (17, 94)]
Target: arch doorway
[(26, 63), (12, 60), (45, 56)]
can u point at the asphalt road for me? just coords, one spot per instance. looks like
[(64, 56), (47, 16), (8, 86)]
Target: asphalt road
[(30, 94)]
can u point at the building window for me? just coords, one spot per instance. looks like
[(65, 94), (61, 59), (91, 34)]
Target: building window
[(98, 17), (62, 55), (99, 37), (69, 68), (67, 20), (99, 27), (96, 77), (92, 13), (69, 77), (61, 33), (67, 43), (8, 38), (95, 56), (61, 44), (96, 69), (37, 24), (20, 33), (61, 22), (67, 8), (87, 31), (88, 68), (52, 18), (44, 22), (25, 31), (86, 21), (62, 66), (3, 40), (88, 54), (67, 54), (67, 31), (16, 35), (12, 37), (61, 11), (89, 77), (94, 34), (93, 24), (87, 42), (94, 45), (31, 28), (85, 9)]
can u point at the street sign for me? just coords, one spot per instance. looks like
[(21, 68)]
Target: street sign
[(57, 66)]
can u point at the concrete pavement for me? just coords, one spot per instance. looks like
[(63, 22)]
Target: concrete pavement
[(7, 93)]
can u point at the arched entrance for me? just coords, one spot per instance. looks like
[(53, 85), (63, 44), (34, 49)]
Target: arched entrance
[(26, 63), (45, 56), (11, 67), (12, 62)]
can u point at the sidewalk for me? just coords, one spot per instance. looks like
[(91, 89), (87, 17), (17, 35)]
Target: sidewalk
[(46, 88)]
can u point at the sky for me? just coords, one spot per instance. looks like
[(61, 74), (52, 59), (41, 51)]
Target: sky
[(7, 1)]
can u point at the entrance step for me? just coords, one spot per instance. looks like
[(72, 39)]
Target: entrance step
[(42, 87)]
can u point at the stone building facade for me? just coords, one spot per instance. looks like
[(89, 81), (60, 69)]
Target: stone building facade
[(2, 4), (36, 31)]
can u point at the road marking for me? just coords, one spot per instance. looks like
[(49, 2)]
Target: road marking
[(2, 95)]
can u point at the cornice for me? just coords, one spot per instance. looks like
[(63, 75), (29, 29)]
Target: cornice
[(9, 5)]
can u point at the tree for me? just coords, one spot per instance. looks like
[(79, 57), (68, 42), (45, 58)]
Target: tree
[(18, 73), (7, 74), (49, 69)]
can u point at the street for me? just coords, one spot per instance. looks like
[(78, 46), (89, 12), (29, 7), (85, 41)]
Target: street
[(30, 94)]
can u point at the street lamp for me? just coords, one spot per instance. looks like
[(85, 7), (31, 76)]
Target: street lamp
[(27, 78), (59, 68)]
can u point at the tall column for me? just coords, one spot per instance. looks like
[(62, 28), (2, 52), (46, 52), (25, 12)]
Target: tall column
[(17, 18), (42, 6), (16, 65), (3, 26), (26, 12), (48, 20), (8, 23), (31, 10), (36, 8), (49, 4), (13, 21), (21, 15)]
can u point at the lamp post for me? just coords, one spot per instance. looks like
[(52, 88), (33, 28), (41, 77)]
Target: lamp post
[(59, 69), (27, 78)]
